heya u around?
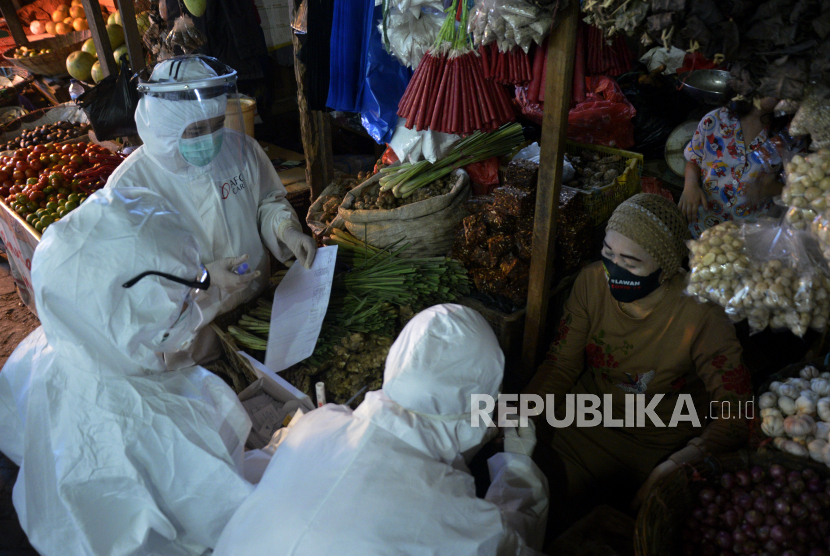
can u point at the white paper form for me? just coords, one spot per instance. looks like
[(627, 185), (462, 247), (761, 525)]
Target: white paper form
[(300, 304)]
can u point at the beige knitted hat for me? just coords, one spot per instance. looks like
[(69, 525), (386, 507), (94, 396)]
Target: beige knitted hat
[(655, 224)]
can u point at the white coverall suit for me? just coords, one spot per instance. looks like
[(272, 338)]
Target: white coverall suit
[(118, 456), (390, 478), (232, 205)]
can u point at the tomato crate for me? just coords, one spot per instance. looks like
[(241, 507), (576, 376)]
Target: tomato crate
[(600, 203)]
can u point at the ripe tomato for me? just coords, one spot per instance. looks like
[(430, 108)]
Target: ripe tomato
[(18, 175), (19, 154), (3, 176), (4, 191), (9, 169), (39, 149), (31, 173), (22, 165), (36, 165), (67, 149)]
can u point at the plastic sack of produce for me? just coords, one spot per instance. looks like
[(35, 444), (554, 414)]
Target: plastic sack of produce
[(771, 275), (808, 181), (409, 34), (111, 104), (511, 23), (605, 118)]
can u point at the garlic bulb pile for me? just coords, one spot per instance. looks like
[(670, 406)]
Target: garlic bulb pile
[(769, 293), (808, 181), (800, 219), (797, 414), (718, 260)]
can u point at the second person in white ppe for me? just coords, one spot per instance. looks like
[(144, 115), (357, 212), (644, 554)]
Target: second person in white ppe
[(117, 455), (220, 180), (390, 477)]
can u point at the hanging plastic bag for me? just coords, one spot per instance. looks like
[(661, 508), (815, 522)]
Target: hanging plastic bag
[(383, 86), (605, 118), (771, 275), (409, 34), (111, 105)]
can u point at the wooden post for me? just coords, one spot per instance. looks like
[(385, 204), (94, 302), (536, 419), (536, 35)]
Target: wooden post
[(315, 129), (135, 47), (10, 13), (560, 67), (100, 37)]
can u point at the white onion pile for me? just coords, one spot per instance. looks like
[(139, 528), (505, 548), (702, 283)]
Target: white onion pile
[(766, 293), (796, 413), (808, 181)]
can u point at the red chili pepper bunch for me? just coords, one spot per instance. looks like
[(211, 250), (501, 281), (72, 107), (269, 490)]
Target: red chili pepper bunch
[(95, 178), (449, 92), (509, 68)]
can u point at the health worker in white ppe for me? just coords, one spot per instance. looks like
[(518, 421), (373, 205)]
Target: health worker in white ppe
[(220, 180), (117, 455), (390, 477)]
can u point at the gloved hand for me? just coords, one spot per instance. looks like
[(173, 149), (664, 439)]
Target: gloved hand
[(520, 440), (222, 274), (304, 247)]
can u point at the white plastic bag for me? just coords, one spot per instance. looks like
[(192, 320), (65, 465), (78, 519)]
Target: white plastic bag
[(412, 32), (411, 145), (510, 23)]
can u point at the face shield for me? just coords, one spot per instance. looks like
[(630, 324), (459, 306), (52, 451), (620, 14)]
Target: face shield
[(190, 111)]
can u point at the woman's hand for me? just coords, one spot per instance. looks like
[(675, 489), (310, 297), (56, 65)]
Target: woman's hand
[(692, 196), (657, 473)]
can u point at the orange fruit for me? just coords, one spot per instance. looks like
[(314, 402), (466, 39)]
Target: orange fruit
[(80, 24), (62, 29)]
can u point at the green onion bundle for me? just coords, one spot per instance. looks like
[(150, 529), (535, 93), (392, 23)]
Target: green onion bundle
[(407, 178), (366, 298)]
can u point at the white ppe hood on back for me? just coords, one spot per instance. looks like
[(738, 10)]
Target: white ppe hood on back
[(379, 480), (116, 456)]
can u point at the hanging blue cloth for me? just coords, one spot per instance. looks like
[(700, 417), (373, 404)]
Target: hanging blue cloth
[(385, 82), (350, 34)]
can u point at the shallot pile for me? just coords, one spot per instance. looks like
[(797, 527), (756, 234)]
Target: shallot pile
[(796, 413), (761, 511)]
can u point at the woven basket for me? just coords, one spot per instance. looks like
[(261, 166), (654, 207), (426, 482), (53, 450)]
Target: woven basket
[(54, 63), (665, 512)]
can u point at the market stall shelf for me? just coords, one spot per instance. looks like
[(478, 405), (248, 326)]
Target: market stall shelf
[(52, 64)]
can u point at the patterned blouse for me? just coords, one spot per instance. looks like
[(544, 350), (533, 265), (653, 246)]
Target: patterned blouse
[(726, 170)]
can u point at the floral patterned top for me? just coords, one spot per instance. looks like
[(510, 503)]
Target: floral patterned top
[(680, 347), (726, 170)]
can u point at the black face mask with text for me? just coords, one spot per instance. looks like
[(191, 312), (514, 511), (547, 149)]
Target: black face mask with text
[(627, 287)]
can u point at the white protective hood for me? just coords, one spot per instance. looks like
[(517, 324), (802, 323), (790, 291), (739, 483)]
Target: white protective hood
[(117, 457), (234, 205), (381, 479)]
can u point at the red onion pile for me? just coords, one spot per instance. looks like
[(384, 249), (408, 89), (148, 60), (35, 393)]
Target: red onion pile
[(761, 512)]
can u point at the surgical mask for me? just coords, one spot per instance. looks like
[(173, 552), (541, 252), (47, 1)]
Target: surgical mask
[(179, 336), (200, 151), (626, 286)]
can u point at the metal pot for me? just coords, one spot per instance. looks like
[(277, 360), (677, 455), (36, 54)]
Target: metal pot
[(708, 86)]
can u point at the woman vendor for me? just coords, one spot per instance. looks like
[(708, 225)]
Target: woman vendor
[(627, 328), (723, 182)]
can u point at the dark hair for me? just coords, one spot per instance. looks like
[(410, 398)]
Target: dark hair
[(742, 107)]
